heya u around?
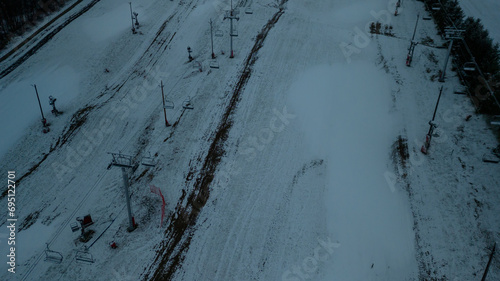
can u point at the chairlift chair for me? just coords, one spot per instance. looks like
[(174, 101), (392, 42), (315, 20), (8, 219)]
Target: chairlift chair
[(495, 120), (248, 11), (449, 35), (121, 160), (219, 33), (169, 104), (490, 158), (187, 104), (234, 33), (235, 12), (214, 64), (148, 161), (84, 256), (436, 7), (469, 66), (53, 256), (74, 226)]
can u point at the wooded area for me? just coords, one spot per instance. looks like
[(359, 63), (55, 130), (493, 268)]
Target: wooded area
[(486, 53), (18, 15)]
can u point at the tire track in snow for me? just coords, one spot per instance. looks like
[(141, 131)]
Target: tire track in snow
[(79, 118), (179, 234), (76, 121)]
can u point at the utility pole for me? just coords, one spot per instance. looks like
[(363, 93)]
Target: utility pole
[(231, 16), (164, 107), (409, 57), (433, 125), (132, 17), (212, 38)]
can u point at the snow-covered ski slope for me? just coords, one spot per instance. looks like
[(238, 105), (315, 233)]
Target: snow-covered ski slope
[(287, 168), (486, 10)]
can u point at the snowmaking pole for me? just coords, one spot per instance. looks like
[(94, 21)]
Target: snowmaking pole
[(189, 53), (398, 4), (212, 38), (409, 57), (39, 103), (432, 125), (44, 121), (164, 108), (132, 17), (489, 262)]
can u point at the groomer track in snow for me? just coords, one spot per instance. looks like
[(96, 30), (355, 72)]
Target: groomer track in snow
[(178, 240)]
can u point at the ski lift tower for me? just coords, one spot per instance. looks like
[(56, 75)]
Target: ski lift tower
[(125, 162), (450, 34), (231, 15)]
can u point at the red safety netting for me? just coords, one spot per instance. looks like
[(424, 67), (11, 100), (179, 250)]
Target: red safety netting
[(157, 191)]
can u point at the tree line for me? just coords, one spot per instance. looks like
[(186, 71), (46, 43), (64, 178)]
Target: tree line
[(486, 53), (17, 15)]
